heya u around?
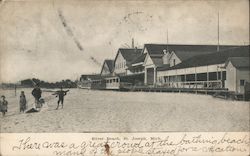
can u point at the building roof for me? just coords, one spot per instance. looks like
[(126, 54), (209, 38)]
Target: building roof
[(157, 60), (91, 76), (211, 58), (139, 59), (183, 55), (130, 54), (157, 49), (239, 62), (110, 64), (183, 52)]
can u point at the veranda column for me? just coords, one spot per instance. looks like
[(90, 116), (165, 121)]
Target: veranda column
[(195, 78), (207, 77), (155, 78)]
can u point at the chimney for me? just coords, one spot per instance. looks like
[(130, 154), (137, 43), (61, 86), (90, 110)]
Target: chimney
[(133, 43), (135, 49)]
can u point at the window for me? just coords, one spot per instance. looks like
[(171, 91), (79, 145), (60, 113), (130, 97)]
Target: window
[(242, 82), (174, 62)]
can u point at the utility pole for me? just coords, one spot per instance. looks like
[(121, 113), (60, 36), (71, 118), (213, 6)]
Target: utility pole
[(167, 39), (218, 32)]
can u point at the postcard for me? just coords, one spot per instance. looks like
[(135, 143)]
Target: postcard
[(124, 78)]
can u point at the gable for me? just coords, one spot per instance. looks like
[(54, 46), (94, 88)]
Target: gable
[(230, 66), (174, 59), (105, 69), (119, 59), (120, 64), (148, 61), (145, 51)]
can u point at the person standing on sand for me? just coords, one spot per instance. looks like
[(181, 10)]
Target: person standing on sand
[(37, 93), (22, 102), (60, 95), (4, 105)]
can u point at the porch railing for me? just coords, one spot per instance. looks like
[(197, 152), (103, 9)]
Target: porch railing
[(192, 84)]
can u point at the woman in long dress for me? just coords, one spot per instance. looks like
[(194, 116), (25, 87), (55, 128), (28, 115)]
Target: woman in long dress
[(4, 105), (22, 102)]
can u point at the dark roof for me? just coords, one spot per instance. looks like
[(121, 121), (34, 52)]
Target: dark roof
[(157, 60), (211, 58), (110, 64), (130, 54), (139, 59), (157, 49), (164, 66), (239, 62), (183, 55)]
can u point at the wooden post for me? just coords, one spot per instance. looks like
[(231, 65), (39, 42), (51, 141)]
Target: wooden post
[(185, 80), (221, 78), (195, 78), (155, 78), (207, 77), (217, 75), (176, 79)]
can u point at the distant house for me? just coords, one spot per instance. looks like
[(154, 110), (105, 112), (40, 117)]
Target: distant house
[(238, 73), (107, 67), (92, 81), (121, 64), (123, 60)]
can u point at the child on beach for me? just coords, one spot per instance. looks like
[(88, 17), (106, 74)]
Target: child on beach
[(22, 102), (60, 94), (3, 105)]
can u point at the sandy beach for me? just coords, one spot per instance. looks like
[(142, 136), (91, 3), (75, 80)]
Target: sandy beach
[(111, 111)]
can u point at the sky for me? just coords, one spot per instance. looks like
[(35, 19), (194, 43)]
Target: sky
[(56, 40)]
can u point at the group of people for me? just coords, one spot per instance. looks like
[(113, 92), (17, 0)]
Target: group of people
[(37, 94)]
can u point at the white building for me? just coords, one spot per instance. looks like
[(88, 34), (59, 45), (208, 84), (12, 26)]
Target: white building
[(123, 60), (238, 74), (201, 71)]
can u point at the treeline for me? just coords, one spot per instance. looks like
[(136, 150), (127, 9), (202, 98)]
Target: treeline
[(43, 84)]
